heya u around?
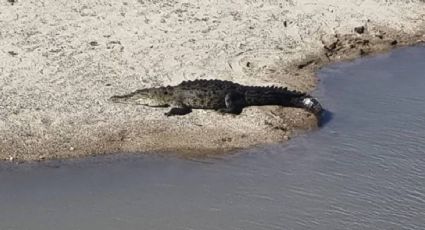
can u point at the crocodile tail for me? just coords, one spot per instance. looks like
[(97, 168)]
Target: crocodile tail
[(308, 103)]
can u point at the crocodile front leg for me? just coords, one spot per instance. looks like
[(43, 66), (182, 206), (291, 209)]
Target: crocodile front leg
[(235, 102), (178, 111), (178, 108)]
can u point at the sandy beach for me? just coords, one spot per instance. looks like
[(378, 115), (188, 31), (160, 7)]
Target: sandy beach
[(61, 60)]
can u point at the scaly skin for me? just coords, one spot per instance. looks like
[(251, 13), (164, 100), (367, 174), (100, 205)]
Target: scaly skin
[(223, 96)]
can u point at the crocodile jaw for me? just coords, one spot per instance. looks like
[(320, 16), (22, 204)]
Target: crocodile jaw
[(142, 97)]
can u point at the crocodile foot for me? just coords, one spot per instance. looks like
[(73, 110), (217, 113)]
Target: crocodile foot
[(178, 111)]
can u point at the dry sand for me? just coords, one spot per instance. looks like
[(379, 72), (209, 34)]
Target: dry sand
[(60, 60)]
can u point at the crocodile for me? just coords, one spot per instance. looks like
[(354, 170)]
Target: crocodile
[(222, 96)]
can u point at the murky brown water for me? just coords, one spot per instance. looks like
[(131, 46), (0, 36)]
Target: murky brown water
[(365, 169)]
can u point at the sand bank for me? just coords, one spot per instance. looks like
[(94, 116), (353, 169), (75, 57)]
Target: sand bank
[(61, 60)]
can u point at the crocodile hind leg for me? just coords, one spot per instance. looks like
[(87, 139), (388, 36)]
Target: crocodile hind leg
[(235, 102), (178, 111)]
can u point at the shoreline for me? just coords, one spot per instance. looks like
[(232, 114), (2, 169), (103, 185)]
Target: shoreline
[(55, 85)]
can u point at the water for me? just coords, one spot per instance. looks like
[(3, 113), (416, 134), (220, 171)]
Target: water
[(365, 169)]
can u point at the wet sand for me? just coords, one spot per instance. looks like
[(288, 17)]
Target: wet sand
[(60, 61)]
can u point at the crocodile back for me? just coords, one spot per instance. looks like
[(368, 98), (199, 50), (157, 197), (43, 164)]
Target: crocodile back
[(211, 94), (205, 94), (208, 85)]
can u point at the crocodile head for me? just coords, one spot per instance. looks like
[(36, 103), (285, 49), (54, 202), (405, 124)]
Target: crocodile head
[(155, 97)]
